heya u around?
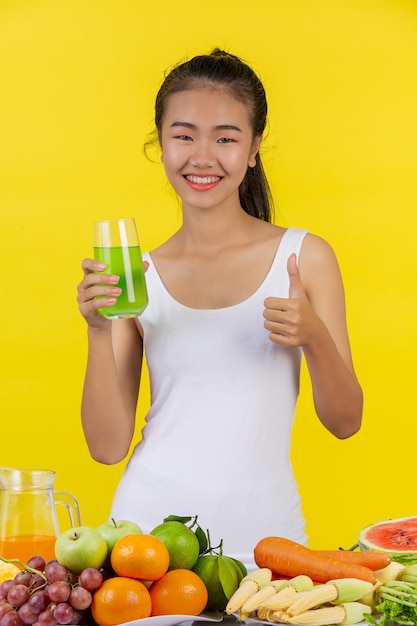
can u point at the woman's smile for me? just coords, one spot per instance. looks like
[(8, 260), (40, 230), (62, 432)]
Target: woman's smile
[(202, 183)]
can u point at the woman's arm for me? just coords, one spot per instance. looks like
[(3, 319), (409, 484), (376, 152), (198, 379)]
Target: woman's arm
[(114, 363), (314, 318), (111, 389)]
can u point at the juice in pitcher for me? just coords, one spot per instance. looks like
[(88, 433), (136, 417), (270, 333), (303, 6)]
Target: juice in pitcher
[(23, 547)]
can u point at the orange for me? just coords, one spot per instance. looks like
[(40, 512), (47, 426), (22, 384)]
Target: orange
[(178, 592), (140, 556), (120, 600)]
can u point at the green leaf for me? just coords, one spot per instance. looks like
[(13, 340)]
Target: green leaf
[(227, 576), (177, 518), (202, 539)]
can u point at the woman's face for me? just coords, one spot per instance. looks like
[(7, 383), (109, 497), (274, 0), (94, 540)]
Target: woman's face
[(207, 145)]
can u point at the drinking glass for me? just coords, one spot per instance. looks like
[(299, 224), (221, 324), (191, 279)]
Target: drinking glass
[(116, 244)]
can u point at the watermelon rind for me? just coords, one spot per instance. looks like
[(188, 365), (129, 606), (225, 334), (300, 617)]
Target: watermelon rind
[(392, 536)]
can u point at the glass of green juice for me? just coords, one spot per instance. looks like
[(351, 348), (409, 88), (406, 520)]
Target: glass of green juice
[(116, 243)]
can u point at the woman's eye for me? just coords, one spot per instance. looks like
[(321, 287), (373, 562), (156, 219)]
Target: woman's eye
[(225, 140), (184, 137)]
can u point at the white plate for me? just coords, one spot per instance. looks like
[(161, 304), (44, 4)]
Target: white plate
[(261, 621), (174, 620)]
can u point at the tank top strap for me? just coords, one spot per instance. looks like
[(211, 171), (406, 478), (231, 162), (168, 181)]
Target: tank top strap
[(277, 280), (290, 243)]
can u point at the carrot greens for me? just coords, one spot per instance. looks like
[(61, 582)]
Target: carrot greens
[(396, 601)]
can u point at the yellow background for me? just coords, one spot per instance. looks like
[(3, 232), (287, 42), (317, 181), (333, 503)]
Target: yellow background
[(77, 85)]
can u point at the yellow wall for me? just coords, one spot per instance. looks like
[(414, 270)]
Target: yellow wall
[(77, 86)]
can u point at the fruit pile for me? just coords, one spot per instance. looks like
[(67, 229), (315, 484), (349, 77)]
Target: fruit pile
[(47, 594), (115, 574)]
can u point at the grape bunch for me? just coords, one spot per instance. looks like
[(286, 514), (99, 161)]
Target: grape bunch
[(47, 594)]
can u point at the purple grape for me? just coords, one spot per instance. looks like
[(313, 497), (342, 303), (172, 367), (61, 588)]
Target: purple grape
[(18, 595), (63, 613), (90, 578), (37, 582), (27, 615), (77, 617), (38, 601), (46, 618), (5, 607), (11, 619), (23, 578), (55, 571), (59, 591), (80, 598), (5, 587), (37, 562)]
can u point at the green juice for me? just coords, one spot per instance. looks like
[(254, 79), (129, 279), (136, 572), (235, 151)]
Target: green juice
[(125, 262)]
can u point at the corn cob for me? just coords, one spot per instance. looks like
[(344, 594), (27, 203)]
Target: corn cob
[(283, 599), (256, 599), (390, 572), (272, 589), (334, 591), (409, 574), (369, 599), (275, 616), (263, 614), (285, 589), (270, 616), (249, 585), (345, 613)]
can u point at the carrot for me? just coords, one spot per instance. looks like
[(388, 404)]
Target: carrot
[(373, 560), (288, 558)]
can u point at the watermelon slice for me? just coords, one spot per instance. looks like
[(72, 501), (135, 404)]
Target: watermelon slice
[(396, 537)]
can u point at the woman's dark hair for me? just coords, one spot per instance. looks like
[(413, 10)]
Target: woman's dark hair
[(220, 68)]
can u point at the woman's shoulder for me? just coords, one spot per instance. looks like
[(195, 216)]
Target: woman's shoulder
[(318, 261), (316, 249)]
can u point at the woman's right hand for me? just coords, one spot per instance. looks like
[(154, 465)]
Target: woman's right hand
[(93, 285)]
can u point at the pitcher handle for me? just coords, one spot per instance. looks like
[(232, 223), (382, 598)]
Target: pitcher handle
[(71, 505)]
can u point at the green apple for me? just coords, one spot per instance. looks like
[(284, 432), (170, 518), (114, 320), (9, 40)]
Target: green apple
[(115, 529), (81, 547)]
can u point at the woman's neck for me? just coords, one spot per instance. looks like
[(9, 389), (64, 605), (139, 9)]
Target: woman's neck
[(214, 229)]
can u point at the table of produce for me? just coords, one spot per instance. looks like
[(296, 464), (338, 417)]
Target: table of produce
[(116, 574)]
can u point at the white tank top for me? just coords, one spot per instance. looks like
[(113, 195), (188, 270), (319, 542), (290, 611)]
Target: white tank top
[(216, 442)]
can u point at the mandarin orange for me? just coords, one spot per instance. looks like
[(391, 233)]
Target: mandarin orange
[(179, 591), (140, 556), (120, 599)]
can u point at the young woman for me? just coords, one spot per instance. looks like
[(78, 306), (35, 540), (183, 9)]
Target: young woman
[(233, 303)]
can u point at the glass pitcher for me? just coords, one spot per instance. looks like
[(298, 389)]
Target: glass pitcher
[(28, 519)]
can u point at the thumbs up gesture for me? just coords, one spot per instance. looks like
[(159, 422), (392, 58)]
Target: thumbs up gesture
[(296, 290), (291, 321)]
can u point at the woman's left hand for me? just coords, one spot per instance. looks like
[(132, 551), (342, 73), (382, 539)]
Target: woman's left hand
[(291, 321)]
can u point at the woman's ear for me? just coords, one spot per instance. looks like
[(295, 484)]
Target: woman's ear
[(254, 150), (252, 160)]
